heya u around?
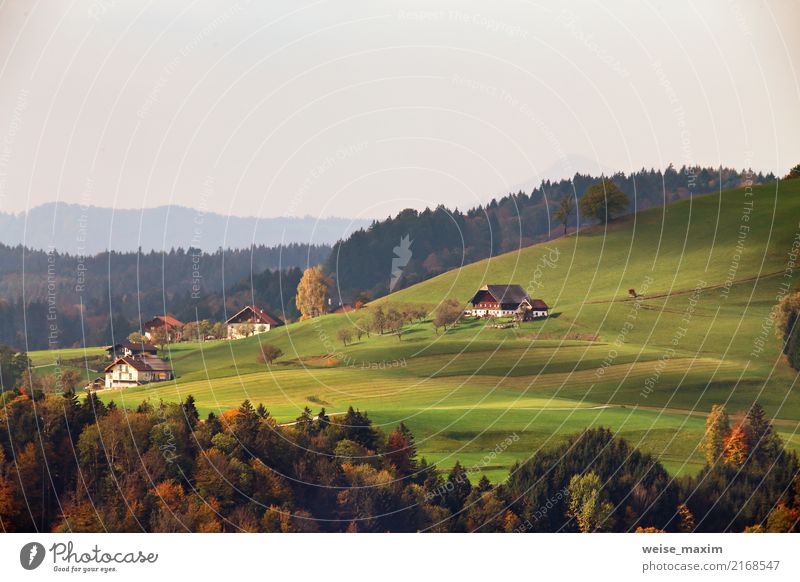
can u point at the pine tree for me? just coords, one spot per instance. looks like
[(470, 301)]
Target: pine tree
[(213, 424), (246, 424), (323, 420), (357, 427), (483, 485), (305, 422), (762, 441), (457, 488), (93, 408), (190, 412)]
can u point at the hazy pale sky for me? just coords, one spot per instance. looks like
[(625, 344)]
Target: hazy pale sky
[(362, 108)]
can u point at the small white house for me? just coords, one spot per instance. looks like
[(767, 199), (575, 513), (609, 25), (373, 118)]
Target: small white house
[(125, 372), (539, 308), (251, 320)]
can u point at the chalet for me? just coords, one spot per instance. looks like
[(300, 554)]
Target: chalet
[(135, 349), (506, 301), (130, 371), (172, 325), (249, 321)]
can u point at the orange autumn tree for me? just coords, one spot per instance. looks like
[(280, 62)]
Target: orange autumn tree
[(736, 449)]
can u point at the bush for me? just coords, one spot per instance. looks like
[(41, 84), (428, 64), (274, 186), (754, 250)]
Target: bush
[(269, 353), (345, 335), (447, 313)]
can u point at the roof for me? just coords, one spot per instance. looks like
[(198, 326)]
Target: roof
[(503, 294), (167, 319), (155, 364), (538, 304), (145, 364), (344, 309), (254, 315), (133, 346)]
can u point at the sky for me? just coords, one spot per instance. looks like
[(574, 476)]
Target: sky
[(362, 108)]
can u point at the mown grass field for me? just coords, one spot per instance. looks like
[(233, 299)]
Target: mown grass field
[(709, 268)]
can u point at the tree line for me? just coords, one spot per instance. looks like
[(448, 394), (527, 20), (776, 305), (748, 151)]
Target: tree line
[(100, 299), (443, 239)]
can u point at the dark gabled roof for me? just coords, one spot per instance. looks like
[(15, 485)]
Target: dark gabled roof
[(155, 364), (133, 346), (503, 294), (132, 362), (539, 305), (255, 313)]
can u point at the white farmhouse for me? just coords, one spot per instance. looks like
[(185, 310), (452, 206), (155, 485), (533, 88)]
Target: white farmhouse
[(128, 371), (250, 320), (506, 301)]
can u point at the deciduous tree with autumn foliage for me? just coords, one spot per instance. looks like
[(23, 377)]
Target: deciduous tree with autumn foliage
[(312, 293)]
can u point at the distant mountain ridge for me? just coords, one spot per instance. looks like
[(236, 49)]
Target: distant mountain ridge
[(82, 230)]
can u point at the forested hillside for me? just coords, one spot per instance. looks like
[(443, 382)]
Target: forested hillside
[(115, 291), (96, 299), (443, 239), (161, 468)]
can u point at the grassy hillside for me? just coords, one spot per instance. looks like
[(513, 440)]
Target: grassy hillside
[(709, 270)]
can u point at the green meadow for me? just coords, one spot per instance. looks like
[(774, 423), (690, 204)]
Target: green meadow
[(708, 269)]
